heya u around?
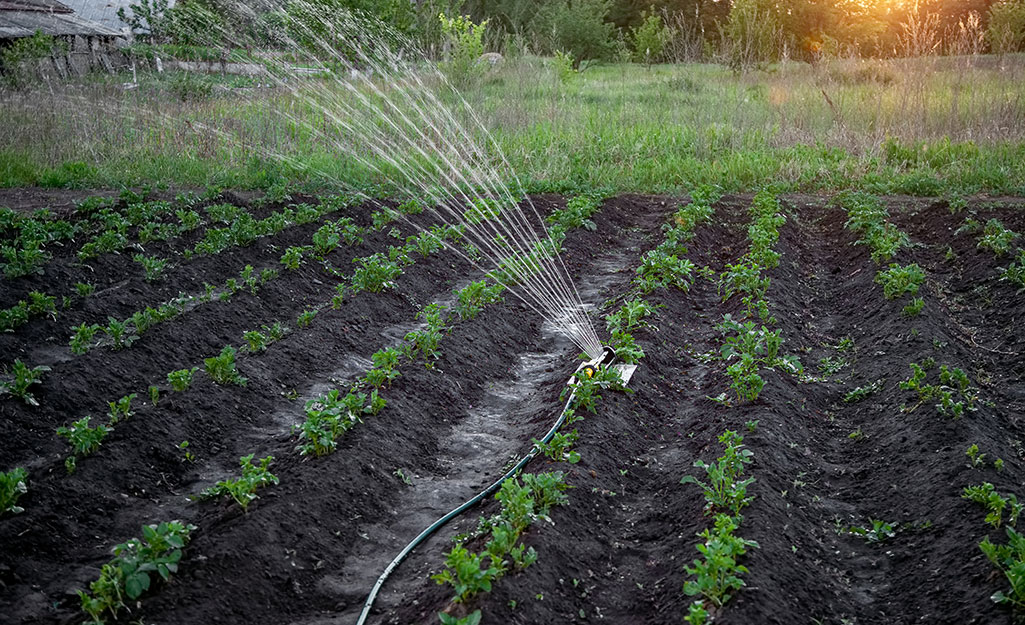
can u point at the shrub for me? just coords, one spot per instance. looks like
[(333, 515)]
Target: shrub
[(650, 39), (466, 45)]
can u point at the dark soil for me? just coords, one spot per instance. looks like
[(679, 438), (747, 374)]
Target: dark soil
[(308, 550)]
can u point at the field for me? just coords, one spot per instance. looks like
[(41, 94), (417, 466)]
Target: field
[(853, 434)]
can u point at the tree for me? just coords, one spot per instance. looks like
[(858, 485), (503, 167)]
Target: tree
[(1006, 30)]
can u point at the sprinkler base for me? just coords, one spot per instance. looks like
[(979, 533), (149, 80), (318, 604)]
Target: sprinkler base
[(606, 360)]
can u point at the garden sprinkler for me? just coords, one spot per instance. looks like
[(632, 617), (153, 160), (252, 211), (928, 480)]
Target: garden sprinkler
[(605, 360)]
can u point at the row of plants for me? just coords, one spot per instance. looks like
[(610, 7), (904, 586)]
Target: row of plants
[(717, 574), (748, 345), (869, 217), (999, 240), (1008, 557), (121, 333), (954, 393), (470, 573)]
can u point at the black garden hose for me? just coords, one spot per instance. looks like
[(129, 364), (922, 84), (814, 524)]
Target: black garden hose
[(457, 511)]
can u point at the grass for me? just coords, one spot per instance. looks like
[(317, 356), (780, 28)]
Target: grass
[(924, 126)]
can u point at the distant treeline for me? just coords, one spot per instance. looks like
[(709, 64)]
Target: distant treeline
[(739, 32)]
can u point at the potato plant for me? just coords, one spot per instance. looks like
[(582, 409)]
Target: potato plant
[(243, 489), (473, 297), (717, 573), (996, 238), (898, 280), (327, 417), (83, 439), (374, 273), (725, 491), (867, 216), (23, 377), (131, 572), (221, 368), (13, 484), (181, 379)]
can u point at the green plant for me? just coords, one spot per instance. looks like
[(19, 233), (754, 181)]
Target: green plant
[(121, 409), (14, 317), (996, 238), (1015, 272), (559, 448), (276, 331), (292, 259), (650, 39), (255, 341), (975, 458), (221, 368), (154, 394), (717, 574), (119, 335), (152, 266), (696, 613), (84, 439), (899, 280), (22, 378), (467, 573), (305, 318), (725, 491), (985, 494), (326, 417), (474, 296), (128, 575), (82, 340), (862, 392), (243, 489), (375, 273), (181, 380), (661, 270), (879, 532), (12, 487), (914, 308), (1010, 559), (473, 618)]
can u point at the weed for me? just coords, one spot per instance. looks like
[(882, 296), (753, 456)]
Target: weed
[(12, 486), (181, 380), (22, 378), (830, 366), (899, 280), (128, 575), (243, 489), (154, 394)]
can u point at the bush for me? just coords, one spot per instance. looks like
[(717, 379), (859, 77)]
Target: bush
[(16, 60), (1006, 30), (465, 46), (650, 39), (579, 29), (751, 36)]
